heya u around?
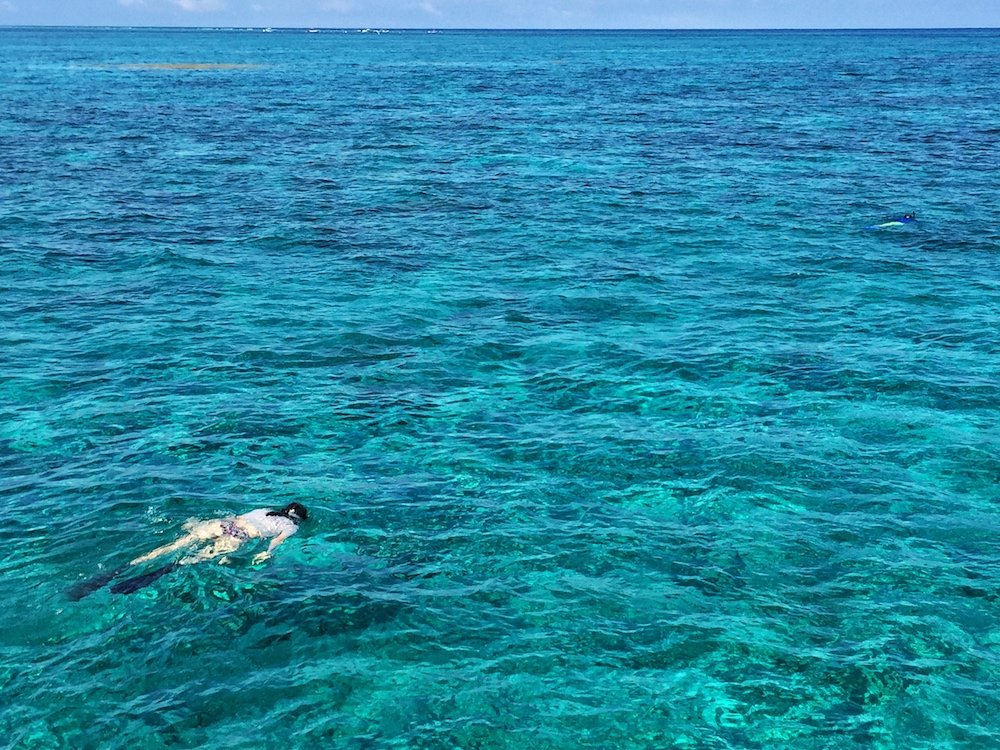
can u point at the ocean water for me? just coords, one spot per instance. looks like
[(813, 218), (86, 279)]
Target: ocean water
[(618, 427)]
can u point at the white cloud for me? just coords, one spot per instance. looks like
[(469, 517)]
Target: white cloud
[(337, 6), (428, 7), (200, 6), (131, 3)]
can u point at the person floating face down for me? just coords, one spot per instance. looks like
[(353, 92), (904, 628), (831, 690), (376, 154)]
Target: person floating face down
[(907, 218), (226, 535)]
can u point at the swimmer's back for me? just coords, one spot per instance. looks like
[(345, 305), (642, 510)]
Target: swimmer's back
[(269, 526)]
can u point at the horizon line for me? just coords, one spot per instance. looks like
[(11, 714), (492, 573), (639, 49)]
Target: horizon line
[(243, 27)]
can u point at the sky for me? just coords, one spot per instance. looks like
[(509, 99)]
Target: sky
[(539, 14)]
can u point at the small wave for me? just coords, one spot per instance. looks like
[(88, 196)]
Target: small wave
[(166, 258)]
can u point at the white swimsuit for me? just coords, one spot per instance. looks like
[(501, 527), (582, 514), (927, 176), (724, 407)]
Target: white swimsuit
[(269, 526)]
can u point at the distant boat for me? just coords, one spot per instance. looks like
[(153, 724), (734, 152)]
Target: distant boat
[(313, 31), (268, 30)]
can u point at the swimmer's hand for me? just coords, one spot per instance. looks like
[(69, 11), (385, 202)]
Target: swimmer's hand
[(262, 556)]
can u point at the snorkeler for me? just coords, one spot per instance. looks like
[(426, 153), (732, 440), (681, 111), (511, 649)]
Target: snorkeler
[(907, 218), (230, 533), (225, 535)]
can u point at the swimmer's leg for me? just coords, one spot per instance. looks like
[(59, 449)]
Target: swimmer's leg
[(222, 546), (85, 588), (165, 549), (131, 585), (199, 532)]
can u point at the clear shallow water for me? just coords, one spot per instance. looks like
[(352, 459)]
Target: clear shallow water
[(618, 427)]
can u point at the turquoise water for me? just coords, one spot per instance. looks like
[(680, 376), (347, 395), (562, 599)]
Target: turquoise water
[(618, 428)]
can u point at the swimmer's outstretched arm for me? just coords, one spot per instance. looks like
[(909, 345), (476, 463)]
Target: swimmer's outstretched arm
[(262, 556), (165, 549)]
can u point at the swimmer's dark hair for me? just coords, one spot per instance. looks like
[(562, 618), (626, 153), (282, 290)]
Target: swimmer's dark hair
[(293, 512)]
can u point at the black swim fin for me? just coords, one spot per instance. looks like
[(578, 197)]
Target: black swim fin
[(131, 585), (85, 588)]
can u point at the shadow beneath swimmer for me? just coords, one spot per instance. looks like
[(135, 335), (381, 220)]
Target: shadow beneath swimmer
[(323, 603)]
